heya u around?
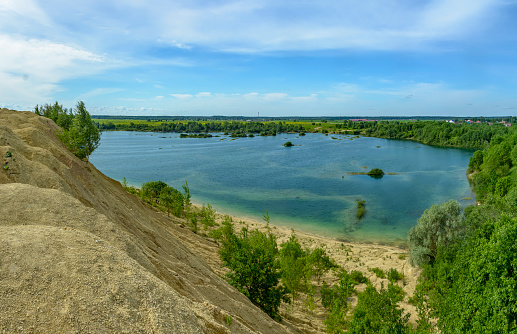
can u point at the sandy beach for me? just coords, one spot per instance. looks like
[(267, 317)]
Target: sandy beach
[(350, 256)]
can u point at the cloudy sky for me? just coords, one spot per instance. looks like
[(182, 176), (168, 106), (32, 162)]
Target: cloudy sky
[(273, 57)]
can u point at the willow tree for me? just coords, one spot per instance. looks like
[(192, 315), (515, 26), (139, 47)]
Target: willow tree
[(440, 225)]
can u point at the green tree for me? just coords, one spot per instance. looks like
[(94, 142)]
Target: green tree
[(335, 299), (186, 197), (254, 266), (378, 312), (152, 189), (318, 262), (62, 116), (292, 265), (482, 286), (207, 216), (440, 224), (83, 137), (172, 200), (475, 161)]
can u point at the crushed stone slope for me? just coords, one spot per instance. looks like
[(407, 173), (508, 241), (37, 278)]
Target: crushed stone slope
[(47, 186)]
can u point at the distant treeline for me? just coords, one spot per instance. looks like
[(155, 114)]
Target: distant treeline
[(476, 135), (302, 118), (440, 133), (234, 127)]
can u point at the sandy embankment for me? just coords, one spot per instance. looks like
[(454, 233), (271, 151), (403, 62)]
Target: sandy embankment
[(349, 255)]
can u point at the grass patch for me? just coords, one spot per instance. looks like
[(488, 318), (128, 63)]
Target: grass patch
[(393, 275), (378, 272)]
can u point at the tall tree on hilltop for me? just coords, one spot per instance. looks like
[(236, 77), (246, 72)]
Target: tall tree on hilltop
[(84, 137)]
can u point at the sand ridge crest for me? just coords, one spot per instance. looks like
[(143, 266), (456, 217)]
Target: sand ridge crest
[(73, 232)]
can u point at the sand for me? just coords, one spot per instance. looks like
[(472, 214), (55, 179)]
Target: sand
[(80, 254), (351, 256)]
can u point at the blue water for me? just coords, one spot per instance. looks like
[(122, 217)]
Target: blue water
[(306, 186)]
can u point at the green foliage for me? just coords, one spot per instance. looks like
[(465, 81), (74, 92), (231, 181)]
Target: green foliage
[(378, 312), (435, 132), (476, 161), (172, 200), (376, 173), (186, 198), (361, 209), (358, 277), (189, 128), (83, 137), (497, 170), (338, 293), (207, 216), (130, 189), (292, 265), (194, 224), (393, 275), (8, 154), (158, 193), (61, 116), (439, 225), (254, 267), (318, 263), (471, 286), (503, 185), (79, 134), (335, 321), (288, 144), (479, 295), (335, 299), (378, 272), (151, 190)]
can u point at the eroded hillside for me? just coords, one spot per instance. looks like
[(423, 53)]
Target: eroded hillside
[(79, 254)]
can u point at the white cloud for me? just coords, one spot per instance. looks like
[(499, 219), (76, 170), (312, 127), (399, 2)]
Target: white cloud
[(274, 96), (31, 69), (182, 96), (204, 94), (266, 25), (21, 12), (269, 25)]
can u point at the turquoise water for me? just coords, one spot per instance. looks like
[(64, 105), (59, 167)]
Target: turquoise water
[(306, 186)]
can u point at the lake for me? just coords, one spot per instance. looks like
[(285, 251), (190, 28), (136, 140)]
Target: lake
[(305, 186)]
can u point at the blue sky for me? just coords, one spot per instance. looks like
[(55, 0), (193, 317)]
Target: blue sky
[(273, 57)]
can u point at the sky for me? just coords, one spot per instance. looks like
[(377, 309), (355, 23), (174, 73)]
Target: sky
[(261, 57)]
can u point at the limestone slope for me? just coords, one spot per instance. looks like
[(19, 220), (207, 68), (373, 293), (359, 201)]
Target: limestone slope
[(86, 246)]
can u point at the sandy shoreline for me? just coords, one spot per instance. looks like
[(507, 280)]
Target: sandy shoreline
[(349, 255)]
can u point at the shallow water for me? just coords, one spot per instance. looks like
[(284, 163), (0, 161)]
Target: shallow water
[(305, 186)]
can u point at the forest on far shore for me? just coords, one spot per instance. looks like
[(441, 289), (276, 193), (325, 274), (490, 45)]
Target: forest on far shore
[(471, 133)]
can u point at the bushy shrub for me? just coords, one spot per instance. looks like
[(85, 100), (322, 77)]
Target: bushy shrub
[(378, 312), (358, 277), (439, 225), (378, 272), (254, 266), (393, 275)]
